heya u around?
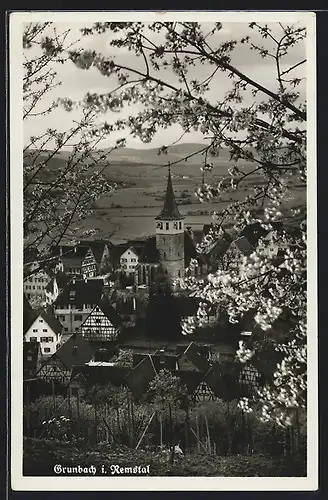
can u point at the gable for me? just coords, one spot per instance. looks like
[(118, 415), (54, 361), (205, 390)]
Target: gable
[(97, 318), (89, 258), (39, 324), (129, 253)]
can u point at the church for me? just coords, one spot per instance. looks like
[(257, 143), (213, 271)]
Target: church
[(171, 249)]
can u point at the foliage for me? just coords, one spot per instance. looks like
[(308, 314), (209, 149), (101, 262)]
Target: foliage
[(64, 172), (269, 134), (124, 358), (40, 456), (165, 389)]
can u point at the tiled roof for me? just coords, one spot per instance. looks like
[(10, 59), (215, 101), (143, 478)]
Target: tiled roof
[(222, 378), (29, 315), (110, 312), (190, 379), (101, 375), (196, 357), (52, 321), (150, 254), (75, 351), (139, 377), (81, 292), (244, 245), (170, 210), (97, 248)]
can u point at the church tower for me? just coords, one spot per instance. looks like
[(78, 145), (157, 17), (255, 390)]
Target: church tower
[(170, 235)]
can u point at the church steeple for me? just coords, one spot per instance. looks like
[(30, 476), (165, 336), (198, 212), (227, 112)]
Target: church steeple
[(170, 209)]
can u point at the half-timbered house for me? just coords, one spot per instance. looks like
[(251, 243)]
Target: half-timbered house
[(75, 351), (102, 324), (76, 302)]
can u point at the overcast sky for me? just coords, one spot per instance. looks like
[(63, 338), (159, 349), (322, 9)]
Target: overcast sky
[(76, 82)]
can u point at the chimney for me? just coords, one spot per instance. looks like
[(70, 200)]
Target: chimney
[(73, 281), (75, 248), (134, 303), (60, 250)]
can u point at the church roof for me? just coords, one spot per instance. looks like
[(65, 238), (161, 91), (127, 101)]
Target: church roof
[(170, 210)]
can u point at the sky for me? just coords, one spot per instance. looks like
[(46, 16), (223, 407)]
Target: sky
[(77, 82)]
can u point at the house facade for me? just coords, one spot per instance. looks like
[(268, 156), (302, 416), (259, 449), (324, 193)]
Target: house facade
[(46, 330), (129, 261), (102, 324), (76, 302), (34, 286)]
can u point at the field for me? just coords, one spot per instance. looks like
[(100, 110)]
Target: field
[(141, 177)]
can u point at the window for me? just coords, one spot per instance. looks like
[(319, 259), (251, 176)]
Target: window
[(35, 330), (45, 330), (77, 317), (164, 255), (33, 339), (175, 225), (180, 225), (159, 225), (65, 329), (133, 260), (97, 320), (29, 358), (167, 226), (33, 287), (41, 320), (46, 349), (50, 339), (38, 287)]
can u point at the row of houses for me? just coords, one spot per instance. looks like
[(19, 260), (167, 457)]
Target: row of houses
[(80, 364)]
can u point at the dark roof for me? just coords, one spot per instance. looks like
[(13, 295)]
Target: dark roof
[(167, 361), (101, 375), (110, 312), (150, 254), (222, 378), (52, 321), (81, 292), (29, 315), (139, 377), (196, 357), (190, 379), (75, 258), (97, 247), (75, 351), (61, 279), (219, 248), (244, 245), (57, 250), (170, 210)]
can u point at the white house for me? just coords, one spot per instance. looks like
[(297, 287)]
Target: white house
[(129, 260), (34, 285), (43, 327)]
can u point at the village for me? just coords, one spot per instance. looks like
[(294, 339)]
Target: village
[(100, 303)]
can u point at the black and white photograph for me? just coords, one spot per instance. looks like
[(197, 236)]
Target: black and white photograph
[(163, 250)]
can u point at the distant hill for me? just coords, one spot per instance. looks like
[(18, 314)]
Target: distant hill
[(142, 156)]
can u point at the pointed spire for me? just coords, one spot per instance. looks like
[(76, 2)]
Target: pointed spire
[(170, 210)]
